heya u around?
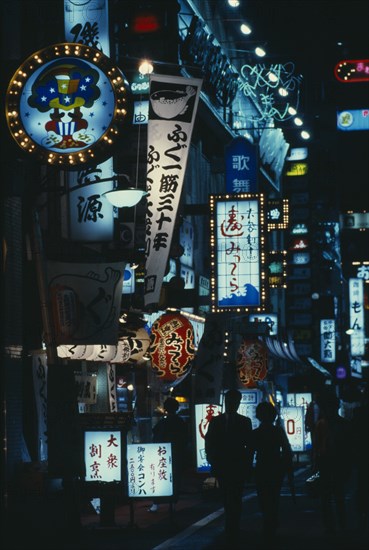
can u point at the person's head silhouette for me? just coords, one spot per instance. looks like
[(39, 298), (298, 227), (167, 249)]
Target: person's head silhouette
[(266, 412), (171, 405), (232, 401)]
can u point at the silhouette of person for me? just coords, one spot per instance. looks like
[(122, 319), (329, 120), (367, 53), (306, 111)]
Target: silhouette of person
[(171, 428), (226, 440), (333, 448), (273, 460)]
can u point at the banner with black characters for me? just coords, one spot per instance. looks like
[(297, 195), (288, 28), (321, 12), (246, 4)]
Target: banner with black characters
[(85, 301), (172, 111)]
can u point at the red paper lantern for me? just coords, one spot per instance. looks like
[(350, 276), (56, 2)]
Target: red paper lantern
[(252, 362), (172, 346)]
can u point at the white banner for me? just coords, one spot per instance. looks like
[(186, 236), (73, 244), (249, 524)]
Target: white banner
[(87, 22), (85, 301), (172, 111)]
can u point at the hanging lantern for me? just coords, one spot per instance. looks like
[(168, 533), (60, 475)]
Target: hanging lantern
[(172, 346), (103, 353), (123, 351), (139, 342), (79, 352), (251, 362)]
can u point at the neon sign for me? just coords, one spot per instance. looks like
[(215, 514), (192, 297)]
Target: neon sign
[(352, 70)]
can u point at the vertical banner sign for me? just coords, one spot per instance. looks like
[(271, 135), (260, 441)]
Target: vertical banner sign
[(327, 340), (357, 339), (39, 369), (172, 111), (86, 22), (85, 301), (149, 470), (237, 253), (91, 216), (241, 166), (103, 456)]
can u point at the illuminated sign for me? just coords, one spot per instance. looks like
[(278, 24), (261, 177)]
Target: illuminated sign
[(149, 470), (297, 169), (141, 112), (237, 252), (65, 104), (352, 70), (241, 166), (203, 414), (297, 153), (103, 456), (327, 340), (357, 338), (299, 244), (272, 153), (357, 119), (277, 269), (270, 318), (87, 22), (293, 422), (361, 270), (277, 214), (354, 220), (300, 258), (299, 229)]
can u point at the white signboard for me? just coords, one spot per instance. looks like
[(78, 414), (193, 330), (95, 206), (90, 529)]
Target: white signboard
[(357, 338), (86, 22), (149, 470), (327, 340), (103, 456), (293, 420), (204, 412)]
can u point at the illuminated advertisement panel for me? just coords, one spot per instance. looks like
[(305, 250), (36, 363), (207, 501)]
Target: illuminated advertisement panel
[(237, 253), (353, 119), (277, 214), (65, 103), (327, 340), (357, 337), (149, 470), (103, 456), (270, 318)]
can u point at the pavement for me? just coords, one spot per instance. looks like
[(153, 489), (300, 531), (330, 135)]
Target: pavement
[(195, 522)]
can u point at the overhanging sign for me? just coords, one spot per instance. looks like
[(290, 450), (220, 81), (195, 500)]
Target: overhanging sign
[(241, 166), (356, 119), (352, 70)]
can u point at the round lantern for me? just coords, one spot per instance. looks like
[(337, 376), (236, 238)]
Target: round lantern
[(139, 342), (172, 347), (251, 362)]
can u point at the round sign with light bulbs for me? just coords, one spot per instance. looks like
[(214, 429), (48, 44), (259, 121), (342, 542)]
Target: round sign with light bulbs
[(65, 104)]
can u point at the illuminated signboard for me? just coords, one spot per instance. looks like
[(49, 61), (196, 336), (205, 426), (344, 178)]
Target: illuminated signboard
[(301, 400), (103, 456), (65, 104), (270, 318), (349, 120), (354, 220), (352, 70), (327, 340), (357, 337), (277, 268), (297, 153), (241, 166), (149, 470), (277, 214), (141, 112), (293, 420), (237, 252), (361, 270), (297, 169)]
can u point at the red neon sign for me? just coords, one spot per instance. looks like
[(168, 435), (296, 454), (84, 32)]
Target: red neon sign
[(352, 70)]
